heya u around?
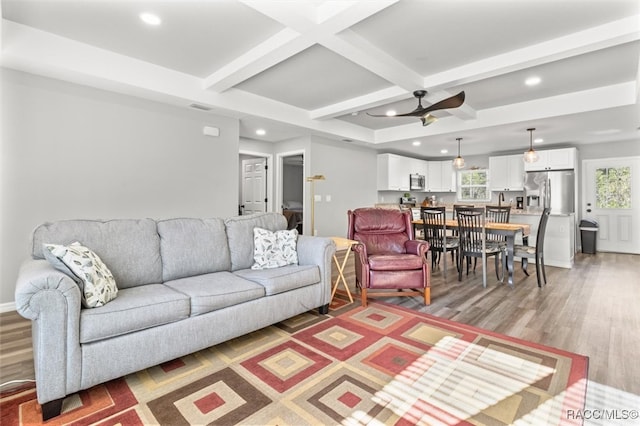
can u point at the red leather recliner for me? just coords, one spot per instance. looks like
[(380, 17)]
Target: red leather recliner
[(388, 257)]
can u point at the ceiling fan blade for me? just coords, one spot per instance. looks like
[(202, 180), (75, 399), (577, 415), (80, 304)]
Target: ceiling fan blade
[(452, 102)]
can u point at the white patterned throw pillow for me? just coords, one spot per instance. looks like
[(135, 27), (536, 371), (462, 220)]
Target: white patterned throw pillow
[(274, 249), (94, 278)]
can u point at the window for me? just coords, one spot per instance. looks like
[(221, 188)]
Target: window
[(474, 185), (613, 188)]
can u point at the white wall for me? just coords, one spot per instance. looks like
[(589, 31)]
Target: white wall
[(70, 151)]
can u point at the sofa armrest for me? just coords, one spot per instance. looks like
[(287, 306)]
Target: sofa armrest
[(418, 247), (318, 251), (51, 299)]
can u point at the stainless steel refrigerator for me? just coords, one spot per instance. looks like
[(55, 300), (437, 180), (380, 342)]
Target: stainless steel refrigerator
[(555, 189)]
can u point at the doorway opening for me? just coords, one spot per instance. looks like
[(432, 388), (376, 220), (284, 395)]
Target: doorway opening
[(292, 190)]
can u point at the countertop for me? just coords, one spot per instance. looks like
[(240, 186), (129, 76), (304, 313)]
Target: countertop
[(531, 211)]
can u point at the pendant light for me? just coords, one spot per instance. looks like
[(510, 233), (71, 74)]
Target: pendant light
[(530, 156), (458, 162)]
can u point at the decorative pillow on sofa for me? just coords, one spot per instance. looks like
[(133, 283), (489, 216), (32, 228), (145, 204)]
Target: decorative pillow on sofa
[(92, 275), (274, 249)]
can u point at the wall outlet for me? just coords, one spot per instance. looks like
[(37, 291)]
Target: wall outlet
[(327, 198), (317, 198)]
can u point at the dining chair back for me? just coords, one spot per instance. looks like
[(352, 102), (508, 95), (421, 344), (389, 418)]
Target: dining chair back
[(473, 243), (526, 252), (435, 232), (497, 214)]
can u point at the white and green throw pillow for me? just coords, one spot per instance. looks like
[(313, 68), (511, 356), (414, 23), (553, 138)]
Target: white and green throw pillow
[(274, 249), (92, 275)]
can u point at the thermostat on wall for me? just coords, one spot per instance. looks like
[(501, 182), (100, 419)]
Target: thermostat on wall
[(210, 131)]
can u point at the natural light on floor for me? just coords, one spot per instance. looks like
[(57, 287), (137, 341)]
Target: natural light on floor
[(457, 380)]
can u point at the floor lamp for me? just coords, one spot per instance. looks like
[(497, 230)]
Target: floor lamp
[(313, 180)]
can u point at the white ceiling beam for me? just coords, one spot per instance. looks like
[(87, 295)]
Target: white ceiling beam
[(363, 53), (35, 51), (305, 25), (600, 37), (359, 103), (272, 51), (601, 98), (360, 51)]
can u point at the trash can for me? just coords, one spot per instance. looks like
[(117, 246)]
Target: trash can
[(588, 231)]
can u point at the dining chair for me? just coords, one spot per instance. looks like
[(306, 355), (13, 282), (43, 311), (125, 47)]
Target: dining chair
[(526, 252), (473, 243), (435, 232)]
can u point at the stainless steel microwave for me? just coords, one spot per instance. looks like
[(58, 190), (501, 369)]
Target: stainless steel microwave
[(416, 182)]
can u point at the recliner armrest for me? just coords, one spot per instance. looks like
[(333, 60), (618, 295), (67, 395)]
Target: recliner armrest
[(418, 247)]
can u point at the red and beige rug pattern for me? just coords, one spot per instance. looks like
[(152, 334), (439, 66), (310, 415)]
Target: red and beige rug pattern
[(380, 365)]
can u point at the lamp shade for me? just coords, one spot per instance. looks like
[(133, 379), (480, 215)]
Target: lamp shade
[(458, 162), (530, 156)]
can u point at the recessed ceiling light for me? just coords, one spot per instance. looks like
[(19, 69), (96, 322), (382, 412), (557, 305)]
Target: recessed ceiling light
[(538, 140), (532, 81), (391, 113), (150, 18), (444, 151), (261, 132), (606, 132), (416, 143)]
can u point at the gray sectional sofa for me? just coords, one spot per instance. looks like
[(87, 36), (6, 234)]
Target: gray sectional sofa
[(183, 285)]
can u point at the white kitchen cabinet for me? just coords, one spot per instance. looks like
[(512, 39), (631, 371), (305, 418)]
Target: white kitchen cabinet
[(394, 171), (417, 166), (559, 240), (506, 173), (393, 174), (434, 178), (553, 159)]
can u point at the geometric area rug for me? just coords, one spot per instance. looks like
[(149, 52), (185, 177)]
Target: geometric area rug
[(379, 365)]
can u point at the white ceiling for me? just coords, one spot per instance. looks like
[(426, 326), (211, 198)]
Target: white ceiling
[(316, 67)]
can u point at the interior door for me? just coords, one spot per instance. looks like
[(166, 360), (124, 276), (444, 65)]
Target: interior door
[(254, 186), (611, 192)]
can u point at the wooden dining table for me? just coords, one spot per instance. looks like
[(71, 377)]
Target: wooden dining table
[(508, 230)]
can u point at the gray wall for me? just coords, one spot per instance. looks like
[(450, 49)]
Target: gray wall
[(70, 151), (350, 173)]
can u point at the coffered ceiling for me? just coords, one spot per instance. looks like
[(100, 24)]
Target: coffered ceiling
[(317, 67)]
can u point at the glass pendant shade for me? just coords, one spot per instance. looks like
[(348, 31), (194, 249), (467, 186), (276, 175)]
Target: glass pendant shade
[(458, 162), (530, 156)]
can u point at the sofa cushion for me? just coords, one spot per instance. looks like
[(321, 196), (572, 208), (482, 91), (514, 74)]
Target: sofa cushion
[(279, 280), (193, 247), (135, 308), (240, 235), (218, 290), (274, 249), (94, 278), (131, 247)]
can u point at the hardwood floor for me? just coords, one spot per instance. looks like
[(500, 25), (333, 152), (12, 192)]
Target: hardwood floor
[(592, 309)]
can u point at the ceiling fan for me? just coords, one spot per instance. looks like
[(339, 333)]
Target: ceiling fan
[(424, 112)]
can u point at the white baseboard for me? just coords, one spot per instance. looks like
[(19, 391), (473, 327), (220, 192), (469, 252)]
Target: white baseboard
[(7, 307)]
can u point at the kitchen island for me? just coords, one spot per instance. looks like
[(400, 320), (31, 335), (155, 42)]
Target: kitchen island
[(560, 237)]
